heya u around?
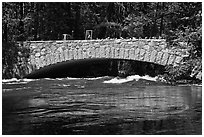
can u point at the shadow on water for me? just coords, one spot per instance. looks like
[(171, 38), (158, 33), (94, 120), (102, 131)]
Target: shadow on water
[(73, 68), (96, 67)]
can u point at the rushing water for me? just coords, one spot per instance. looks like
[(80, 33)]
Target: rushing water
[(105, 105)]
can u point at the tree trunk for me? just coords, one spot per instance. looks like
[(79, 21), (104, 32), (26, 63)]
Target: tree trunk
[(5, 34), (154, 30), (36, 21), (162, 18), (21, 23), (77, 21)]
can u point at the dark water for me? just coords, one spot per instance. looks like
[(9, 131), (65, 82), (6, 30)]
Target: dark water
[(89, 106)]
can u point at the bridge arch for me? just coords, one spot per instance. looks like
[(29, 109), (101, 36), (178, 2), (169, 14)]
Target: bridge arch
[(97, 67)]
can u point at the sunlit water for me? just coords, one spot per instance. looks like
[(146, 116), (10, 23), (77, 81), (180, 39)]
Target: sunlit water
[(104, 105)]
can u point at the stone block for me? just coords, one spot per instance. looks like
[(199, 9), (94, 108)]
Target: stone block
[(159, 57), (101, 52), (54, 58), (112, 52), (153, 56), (69, 45), (88, 52), (130, 43), (75, 53), (42, 61), (57, 58), (33, 45), (47, 59), (80, 53), (147, 56), (66, 53), (165, 58), (121, 54), (152, 43), (37, 54), (61, 56), (37, 63), (43, 51), (36, 50), (146, 47), (117, 53), (141, 44), (122, 45), (142, 53), (71, 55), (53, 48), (128, 46), (93, 52), (171, 59), (177, 60), (126, 54), (117, 41), (107, 52), (135, 44), (51, 58), (96, 45), (137, 53), (97, 52), (132, 54), (85, 52), (158, 48)]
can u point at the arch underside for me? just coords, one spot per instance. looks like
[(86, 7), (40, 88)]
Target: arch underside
[(90, 67)]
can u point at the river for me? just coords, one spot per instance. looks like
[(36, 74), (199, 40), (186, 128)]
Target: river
[(104, 105)]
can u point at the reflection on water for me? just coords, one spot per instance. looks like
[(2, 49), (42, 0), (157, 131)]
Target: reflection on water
[(83, 106)]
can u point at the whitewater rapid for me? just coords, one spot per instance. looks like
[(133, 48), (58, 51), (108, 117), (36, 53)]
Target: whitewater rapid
[(107, 79), (17, 81), (130, 78)]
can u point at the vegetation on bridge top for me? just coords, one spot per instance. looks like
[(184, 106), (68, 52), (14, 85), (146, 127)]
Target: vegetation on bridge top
[(177, 22)]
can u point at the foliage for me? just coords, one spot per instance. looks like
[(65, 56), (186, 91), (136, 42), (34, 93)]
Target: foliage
[(178, 22), (185, 71), (14, 58), (46, 21), (9, 50), (187, 35), (134, 26)]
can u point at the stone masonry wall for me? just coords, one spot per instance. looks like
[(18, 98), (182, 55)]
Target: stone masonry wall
[(44, 53)]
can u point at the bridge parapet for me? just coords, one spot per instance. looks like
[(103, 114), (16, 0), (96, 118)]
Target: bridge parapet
[(44, 53)]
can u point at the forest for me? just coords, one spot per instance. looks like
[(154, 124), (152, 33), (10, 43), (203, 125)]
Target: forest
[(174, 21)]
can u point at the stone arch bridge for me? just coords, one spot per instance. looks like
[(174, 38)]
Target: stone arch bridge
[(46, 53)]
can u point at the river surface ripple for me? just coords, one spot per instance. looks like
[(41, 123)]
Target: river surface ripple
[(99, 106)]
